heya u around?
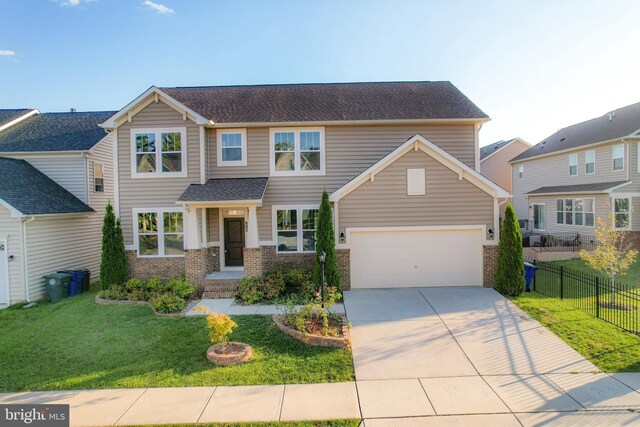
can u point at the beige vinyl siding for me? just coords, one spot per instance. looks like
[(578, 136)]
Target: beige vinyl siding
[(349, 151), (554, 170), (602, 207), (384, 202), (153, 192), (497, 167), (213, 224), (10, 227), (68, 171)]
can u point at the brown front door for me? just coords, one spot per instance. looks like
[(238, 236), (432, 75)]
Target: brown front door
[(233, 242)]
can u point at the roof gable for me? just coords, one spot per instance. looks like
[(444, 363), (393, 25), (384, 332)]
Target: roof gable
[(491, 149), (27, 191), (418, 142)]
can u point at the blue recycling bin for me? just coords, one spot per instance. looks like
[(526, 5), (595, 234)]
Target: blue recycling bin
[(529, 274), (75, 285)]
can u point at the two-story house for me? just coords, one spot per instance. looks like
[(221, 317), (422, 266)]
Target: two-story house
[(581, 172), (219, 182), (494, 162), (56, 177)]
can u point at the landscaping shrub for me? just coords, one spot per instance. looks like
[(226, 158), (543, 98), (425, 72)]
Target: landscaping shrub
[(167, 303), (325, 241), (114, 292), (249, 291), (153, 285), (181, 287), (272, 285), (308, 290), (510, 272), (113, 265), (295, 279)]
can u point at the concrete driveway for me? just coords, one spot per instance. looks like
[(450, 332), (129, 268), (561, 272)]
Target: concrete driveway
[(471, 355)]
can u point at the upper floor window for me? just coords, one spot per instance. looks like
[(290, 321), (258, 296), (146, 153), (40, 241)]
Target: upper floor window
[(98, 178), (622, 211), (159, 152), (520, 171), (232, 147), (590, 162), (618, 157), (159, 232), (573, 164), (297, 151)]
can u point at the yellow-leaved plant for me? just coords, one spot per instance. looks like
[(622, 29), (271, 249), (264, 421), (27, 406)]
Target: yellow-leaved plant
[(221, 326), (614, 253)]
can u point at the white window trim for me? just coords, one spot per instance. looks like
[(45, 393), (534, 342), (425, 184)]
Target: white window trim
[(158, 173), (613, 158), (95, 164), (572, 157), (533, 210), (297, 171), (638, 156), (573, 211), (521, 172), (243, 136), (274, 226), (158, 212), (586, 172), (613, 209)]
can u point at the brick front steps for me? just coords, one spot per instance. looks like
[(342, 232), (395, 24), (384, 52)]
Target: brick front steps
[(217, 289)]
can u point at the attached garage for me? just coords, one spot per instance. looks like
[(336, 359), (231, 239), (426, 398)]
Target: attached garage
[(392, 257)]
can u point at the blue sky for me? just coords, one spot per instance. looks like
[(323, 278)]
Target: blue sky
[(533, 66)]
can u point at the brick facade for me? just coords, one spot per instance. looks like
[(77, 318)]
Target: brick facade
[(253, 263), (490, 265), (164, 268), (344, 265)]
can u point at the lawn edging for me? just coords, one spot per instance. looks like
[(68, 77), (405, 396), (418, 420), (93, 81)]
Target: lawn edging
[(317, 340)]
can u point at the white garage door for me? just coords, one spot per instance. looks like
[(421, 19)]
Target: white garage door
[(420, 258)]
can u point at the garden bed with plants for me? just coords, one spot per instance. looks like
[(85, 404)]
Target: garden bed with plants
[(295, 287), (168, 297)]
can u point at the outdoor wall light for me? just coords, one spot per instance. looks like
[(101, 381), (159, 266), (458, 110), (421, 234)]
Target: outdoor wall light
[(490, 232), (342, 236), (11, 257)]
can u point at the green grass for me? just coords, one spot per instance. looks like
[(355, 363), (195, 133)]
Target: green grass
[(328, 423), (608, 347), (631, 278), (77, 344)]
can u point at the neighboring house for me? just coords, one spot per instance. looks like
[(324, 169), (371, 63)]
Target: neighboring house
[(229, 179), (56, 178), (494, 162), (581, 172)]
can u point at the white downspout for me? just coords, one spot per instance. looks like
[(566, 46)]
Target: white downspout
[(25, 261)]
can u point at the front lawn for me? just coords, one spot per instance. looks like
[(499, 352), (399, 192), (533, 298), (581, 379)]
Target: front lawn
[(77, 344), (631, 278), (608, 347)]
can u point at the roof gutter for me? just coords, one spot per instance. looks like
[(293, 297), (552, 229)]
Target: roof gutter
[(25, 259), (345, 122)]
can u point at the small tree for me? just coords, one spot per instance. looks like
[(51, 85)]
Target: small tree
[(614, 253), (325, 241), (510, 271), (113, 266)]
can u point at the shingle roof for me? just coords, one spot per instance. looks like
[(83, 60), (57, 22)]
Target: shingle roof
[(577, 188), (55, 132), (33, 193), (615, 124), (328, 102), (225, 189), (7, 116), (487, 150)]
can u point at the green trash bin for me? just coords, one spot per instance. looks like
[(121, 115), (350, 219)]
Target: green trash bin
[(57, 285)]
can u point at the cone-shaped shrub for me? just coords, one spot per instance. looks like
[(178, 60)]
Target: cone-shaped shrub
[(510, 272), (325, 241), (113, 266)]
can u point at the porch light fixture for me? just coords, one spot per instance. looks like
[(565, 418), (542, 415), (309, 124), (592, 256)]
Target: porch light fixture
[(490, 232), (322, 257), (342, 236)]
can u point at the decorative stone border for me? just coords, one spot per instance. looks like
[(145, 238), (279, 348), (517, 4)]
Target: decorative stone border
[(231, 358), (103, 301), (317, 340)]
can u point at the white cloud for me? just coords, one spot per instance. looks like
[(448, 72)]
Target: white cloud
[(160, 8), (7, 53)]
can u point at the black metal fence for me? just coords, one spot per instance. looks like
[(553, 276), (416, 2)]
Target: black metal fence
[(560, 242), (617, 304)]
